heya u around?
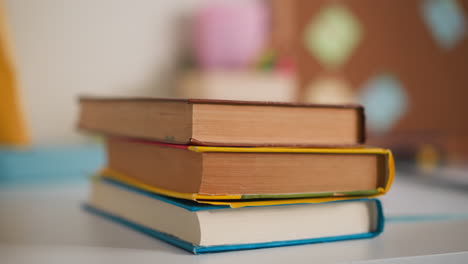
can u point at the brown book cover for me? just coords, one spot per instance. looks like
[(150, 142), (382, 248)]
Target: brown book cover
[(224, 122)]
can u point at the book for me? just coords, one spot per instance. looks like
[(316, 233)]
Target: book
[(201, 228), (223, 122), (230, 173)]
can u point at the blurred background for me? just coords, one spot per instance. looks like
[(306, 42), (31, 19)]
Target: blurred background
[(405, 61)]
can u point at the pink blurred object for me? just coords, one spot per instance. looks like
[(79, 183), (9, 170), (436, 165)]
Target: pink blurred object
[(285, 65), (230, 34)]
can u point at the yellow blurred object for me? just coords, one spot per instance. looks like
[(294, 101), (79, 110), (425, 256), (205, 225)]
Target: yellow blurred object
[(427, 158), (330, 90), (12, 127), (236, 85)]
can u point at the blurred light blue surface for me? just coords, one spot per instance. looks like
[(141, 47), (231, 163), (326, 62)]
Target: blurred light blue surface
[(385, 101), (49, 164), (446, 21)]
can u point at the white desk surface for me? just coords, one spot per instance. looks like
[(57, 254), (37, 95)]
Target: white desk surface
[(46, 225)]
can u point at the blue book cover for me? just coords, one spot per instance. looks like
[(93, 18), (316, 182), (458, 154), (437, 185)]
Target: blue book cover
[(194, 206)]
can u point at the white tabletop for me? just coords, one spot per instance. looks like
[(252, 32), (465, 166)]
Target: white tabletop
[(46, 225)]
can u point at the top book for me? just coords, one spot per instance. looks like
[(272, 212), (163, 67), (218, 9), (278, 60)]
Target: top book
[(225, 123)]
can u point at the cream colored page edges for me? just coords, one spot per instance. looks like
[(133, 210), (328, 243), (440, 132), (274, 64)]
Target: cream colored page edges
[(146, 211), (216, 123), (299, 222)]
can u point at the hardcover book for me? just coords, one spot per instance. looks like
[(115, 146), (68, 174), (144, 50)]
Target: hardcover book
[(202, 228), (216, 174), (223, 122)]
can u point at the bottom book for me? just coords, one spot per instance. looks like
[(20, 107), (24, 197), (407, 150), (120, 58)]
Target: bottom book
[(202, 228)]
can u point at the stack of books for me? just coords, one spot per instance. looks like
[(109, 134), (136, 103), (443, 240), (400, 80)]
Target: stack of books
[(208, 175)]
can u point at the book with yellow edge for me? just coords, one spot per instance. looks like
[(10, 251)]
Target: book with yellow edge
[(250, 176)]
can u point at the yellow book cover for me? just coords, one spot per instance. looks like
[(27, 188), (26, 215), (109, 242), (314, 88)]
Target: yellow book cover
[(265, 199)]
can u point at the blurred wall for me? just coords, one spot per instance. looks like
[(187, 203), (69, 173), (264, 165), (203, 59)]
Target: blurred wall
[(405, 61), (65, 48)]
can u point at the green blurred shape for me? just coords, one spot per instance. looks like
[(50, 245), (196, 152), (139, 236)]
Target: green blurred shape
[(332, 35)]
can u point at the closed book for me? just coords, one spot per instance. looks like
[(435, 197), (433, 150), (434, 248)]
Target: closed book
[(201, 228), (223, 122), (249, 173)]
